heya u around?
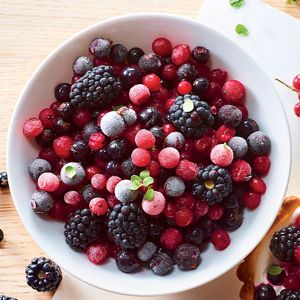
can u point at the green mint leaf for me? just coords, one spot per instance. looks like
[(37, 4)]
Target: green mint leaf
[(237, 3), (135, 185), (144, 174), (70, 171), (135, 178), (147, 181), (149, 195), (241, 30), (274, 270), (115, 108)]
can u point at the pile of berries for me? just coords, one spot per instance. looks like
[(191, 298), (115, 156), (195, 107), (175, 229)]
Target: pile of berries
[(147, 157), (285, 274)]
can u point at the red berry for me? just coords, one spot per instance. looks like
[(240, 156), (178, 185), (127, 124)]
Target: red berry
[(184, 87), (139, 94), (214, 90), (91, 171), (225, 133), (111, 183), (251, 200), (291, 282), (257, 185), (169, 103), (162, 47), (201, 209), (244, 111), (204, 145), (140, 157), (62, 146), (169, 72), (72, 198), (187, 170), (75, 78), (58, 211), (55, 105), (48, 117), (297, 254), (171, 238), (98, 181), (184, 217), (49, 155), (169, 157), (152, 82), (145, 139), (81, 117), (203, 70), (97, 141), (48, 182), (32, 127), (219, 76), (240, 170), (181, 54), (215, 212), (98, 206), (297, 109), (185, 201), (154, 154), (297, 222), (220, 239), (169, 210), (153, 168), (296, 82), (112, 201), (162, 95), (261, 164), (131, 132), (299, 96), (97, 253), (234, 91), (168, 128)]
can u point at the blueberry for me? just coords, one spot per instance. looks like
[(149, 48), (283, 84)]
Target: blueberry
[(45, 138), (150, 63), (239, 146), (72, 173), (88, 130), (230, 115), (175, 139), (128, 114), (131, 76), (187, 72), (200, 85), (232, 219), (259, 143), (62, 92), (150, 116), (102, 154), (118, 54), (3, 180), (161, 264), (200, 54), (65, 111), (37, 167), (41, 201), (187, 257), (113, 168), (129, 169), (134, 54), (112, 124), (118, 149), (123, 192), (195, 235), (159, 135), (174, 186), (62, 127), (264, 292), (80, 151), (247, 127), (82, 64), (127, 261), (88, 193), (147, 251), (100, 47)]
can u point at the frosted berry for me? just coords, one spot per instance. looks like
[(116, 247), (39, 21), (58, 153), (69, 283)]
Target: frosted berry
[(112, 124), (221, 155), (155, 206), (118, 53), (220, 239), (150, 63), (62, 146), (219, 76), (175, 139), (100, 47), (161, 264), (257, 185), (139, 94), (185, 201), (98, 181), (140, 157), (201, 209), (111, 183), (123, 192), (187, 257), (240, 170), (91, 171), (97, 253), (72, 198), (98, 206), (261, 164), (181, 54), (174, 186), (48, 182), (259, 143), (251, 200), (187, 170), (162, 47), (215, 212), (82, 64), (41, 201), (147, 251), (201, 54), (128, 114), (72, 173), (152, 82), (184, 87), (37, 167), (145, 139), (233, 91), (169, 157), (230, 115), (239, 146), (171, 238), (96, 141), (32, 127)]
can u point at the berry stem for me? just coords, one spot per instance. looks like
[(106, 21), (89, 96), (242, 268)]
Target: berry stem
[(288, 86)]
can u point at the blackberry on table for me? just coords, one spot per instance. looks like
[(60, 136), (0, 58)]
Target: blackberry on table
[(284, 242), (2, 297), (3, 180), (82, 229), (95, 88), (213, 183), (128, 225), (191, 116), (287, 294), (43, 274)]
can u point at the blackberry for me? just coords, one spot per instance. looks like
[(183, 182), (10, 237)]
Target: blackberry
[(3, 180), (288, 295), (96, 88), (128, 225), (2, 297), (265, 292), (284, 242), (82, 229), (191, 116), (43, 274), (129, 169), (213, 183)]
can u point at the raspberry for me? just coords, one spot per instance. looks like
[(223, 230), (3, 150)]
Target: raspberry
[(170, 210), (48, 182), (62, 146), (251, 200), (221, 155), (111, 183), (215, 212), (220, 239), (140, 157), (97, 253), (218, 75), (181, 54), (168, 128), (233, 91), (184, 217), (139, 94), (155, 206), (184, 87), (187, 170), (162, 47), (185, 201), (240, 170), (96, 141), (201, 209), (152, 82), (48, 117), (81, 117), (153, 168), (91, 171), (261, 164), (32, 127), (145, 139), (72, 197), (225, 133), (98, 206), (98, 181), (169, 157), (257, 185), (169, 72), (171, 238)]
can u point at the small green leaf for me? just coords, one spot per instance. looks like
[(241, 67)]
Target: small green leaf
[(149, 195), (115, 108), (135, 178), (144, 174), (274, 270), (237, 3), (147, 181), (70, 171), (241, 30), (135, 185)]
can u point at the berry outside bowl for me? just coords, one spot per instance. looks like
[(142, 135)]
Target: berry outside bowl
[(139, 30)]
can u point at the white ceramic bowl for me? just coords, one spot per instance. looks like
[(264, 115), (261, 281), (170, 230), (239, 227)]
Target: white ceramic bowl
[(140, 30)]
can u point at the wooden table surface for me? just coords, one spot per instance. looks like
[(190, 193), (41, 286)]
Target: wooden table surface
[(29, 30)]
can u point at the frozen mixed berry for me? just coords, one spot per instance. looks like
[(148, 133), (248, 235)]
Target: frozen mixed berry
[(147, 251), (174, 186), (98, 181), (32, 127), (239, 146), (100, 47), (61, 126), (113, 168), (187, 257), (82, 64), (201, 54), (98, 206), (37, 167), (72, 198), (62, 146), (181, 54), (131, 75), (62, 92), (118, 149), (161, 264), (47, 116), (150, 116), (129, 169), (97, 253), (233, 91), (220, 239), (224, 133), (123, 192), (184, 87), (175, 140), (265, 292), (246, 127), (96, 141), (261, 164), (187, 72), (118, 53), (200, 85), (72, 173), (251, 200), (154, 206), (145, 139), (140, 157), (128, 114), (169, 157), (134, 54), (171, 238), (139, 94), (159, 135), (111, 183), (150, 63), (45, 138), (41, 201), (259, 143), (112, 124), (215, 212), (162, 47), (187, 170), (240, 170), (221, 155), (89, 193), (257, 185), (80, 151), (230, 115), (195, 235), (127, 261), (48, 182), (168, 72), (152, 82), (184, 217)]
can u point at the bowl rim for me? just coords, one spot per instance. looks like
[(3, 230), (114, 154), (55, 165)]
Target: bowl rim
[(123, 18)]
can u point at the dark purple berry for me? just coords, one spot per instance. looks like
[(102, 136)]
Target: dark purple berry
[(113, 168), (159, 135), (118, 54), (62, 127), (187, 72), (161, 264), (65, 111), (187, 257), (134, 55), (150, 63), (230, 115), (100, 47), (45, 138), (147, 251), (195, 235), (246, 127), (82, 64), (62, 92), (89, 129), (131, 76), (88, 193), (200, 85), (102, 154), (200, 54), (127, 261), (264, 292), (119, 149), (150, 116), (80, 151)]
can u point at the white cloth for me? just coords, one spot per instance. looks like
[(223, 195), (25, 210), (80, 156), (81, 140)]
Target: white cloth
[(274, 41)]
